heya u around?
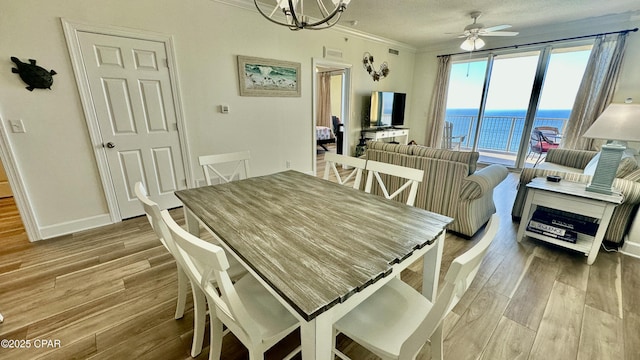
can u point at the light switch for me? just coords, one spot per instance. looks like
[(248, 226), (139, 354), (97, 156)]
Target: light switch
[(17, 126), (224, 109)]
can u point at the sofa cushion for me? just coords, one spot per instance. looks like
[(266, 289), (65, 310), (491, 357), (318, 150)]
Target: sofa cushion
[(397, 148), (466, 157), (572, 158), (633, 176), (628, 163)]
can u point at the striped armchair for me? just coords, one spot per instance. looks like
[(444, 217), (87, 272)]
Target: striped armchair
[(569, 164), (451, 185)]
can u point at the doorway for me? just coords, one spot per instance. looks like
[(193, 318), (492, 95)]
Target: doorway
[(10, 219), (339, 99), (131, 103)]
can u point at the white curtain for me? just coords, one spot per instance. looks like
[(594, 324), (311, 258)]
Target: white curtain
[(596, 89), (323, 112), (439, 102)]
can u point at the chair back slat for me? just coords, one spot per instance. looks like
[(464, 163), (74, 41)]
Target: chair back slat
[(461, 273), (213, 163), (331, 162), (152, 210), (411, 176), (206, 264)]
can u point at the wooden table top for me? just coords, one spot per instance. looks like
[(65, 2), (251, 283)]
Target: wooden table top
[(313, 241)]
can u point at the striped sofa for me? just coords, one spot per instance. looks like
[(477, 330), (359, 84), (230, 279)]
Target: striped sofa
[(569, 164), (451, 185)]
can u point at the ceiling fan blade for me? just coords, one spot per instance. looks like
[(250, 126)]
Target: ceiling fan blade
[(500, 33), (497, 28)]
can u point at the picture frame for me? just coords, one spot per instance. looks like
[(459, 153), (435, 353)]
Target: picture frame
[(268, 77)]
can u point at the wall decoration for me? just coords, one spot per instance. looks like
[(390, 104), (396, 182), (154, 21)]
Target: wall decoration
[(367, 63), (33, 75), (268, 77)]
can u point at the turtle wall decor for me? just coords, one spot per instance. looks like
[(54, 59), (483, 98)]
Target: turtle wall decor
[(33, 75)]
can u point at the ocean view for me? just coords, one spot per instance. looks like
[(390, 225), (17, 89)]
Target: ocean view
[(501, 129)]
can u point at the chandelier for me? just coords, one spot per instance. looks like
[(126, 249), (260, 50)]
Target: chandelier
[(295, 15)]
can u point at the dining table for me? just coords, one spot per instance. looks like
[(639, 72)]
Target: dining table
[(319, 247)]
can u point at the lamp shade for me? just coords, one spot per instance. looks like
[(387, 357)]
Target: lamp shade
[(617, 122)]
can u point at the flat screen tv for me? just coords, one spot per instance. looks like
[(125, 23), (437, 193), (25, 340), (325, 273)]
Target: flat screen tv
[(387, 109)]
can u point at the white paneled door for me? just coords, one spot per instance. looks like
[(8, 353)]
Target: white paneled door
[(132, 95)]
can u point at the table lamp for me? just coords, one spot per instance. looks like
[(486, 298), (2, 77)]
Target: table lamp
[(618, 123)]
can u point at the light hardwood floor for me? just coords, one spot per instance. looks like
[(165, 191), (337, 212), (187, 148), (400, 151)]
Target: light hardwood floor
[(109, 293)]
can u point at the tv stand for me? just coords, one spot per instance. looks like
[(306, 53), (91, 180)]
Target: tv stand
[(400, 136)]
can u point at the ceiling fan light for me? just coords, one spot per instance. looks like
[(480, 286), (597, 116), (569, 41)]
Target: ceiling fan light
[(471, 44), (467, 45)]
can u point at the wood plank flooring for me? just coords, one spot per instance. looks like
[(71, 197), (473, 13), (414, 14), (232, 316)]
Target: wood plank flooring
[(109, 293)]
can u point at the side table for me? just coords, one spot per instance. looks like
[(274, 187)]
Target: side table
[(570, 197)]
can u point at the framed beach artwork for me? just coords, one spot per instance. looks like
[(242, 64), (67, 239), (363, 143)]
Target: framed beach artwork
[(268, 77)]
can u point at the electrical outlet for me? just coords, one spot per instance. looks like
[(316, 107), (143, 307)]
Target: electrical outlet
[(288, 164)]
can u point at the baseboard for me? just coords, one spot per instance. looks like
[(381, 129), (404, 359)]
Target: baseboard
[(631, 249), (70, 227)]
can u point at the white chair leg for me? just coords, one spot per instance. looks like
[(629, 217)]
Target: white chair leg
[(1, 318), (183, 288), (217, 333), (436, 344), (199, 320)]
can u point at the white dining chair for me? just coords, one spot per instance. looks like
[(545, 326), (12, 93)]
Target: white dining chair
[(412, 177), (396, 321), (245, 307), (333, 159), (152, 211), (214, 163)]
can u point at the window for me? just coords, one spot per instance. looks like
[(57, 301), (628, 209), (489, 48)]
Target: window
[(495, 101)]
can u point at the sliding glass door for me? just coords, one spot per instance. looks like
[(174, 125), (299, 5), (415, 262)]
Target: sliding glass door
[(495, 102)]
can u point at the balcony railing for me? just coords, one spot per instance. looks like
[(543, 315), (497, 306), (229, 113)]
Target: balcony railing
[(498, 133)]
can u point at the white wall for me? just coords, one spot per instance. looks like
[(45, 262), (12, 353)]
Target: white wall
[(55, 156), (426, 63), (336, 95)]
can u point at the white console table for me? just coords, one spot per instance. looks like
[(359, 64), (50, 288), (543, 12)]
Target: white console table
[(399, 135)]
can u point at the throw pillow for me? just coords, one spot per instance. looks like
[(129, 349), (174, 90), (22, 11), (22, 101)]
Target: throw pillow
[(628, 163)]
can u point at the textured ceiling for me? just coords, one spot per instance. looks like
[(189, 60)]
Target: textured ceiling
[(426, 23)]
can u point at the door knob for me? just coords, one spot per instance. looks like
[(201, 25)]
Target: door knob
[(111, 145)]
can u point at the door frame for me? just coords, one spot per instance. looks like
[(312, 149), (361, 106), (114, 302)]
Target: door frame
[(18, 186), (346, 104), (71, 29)]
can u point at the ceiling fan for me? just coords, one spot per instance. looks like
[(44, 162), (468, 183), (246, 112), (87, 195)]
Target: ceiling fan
[(472, 33)]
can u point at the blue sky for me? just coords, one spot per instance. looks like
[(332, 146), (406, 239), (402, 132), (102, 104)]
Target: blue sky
[(511, 82)]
